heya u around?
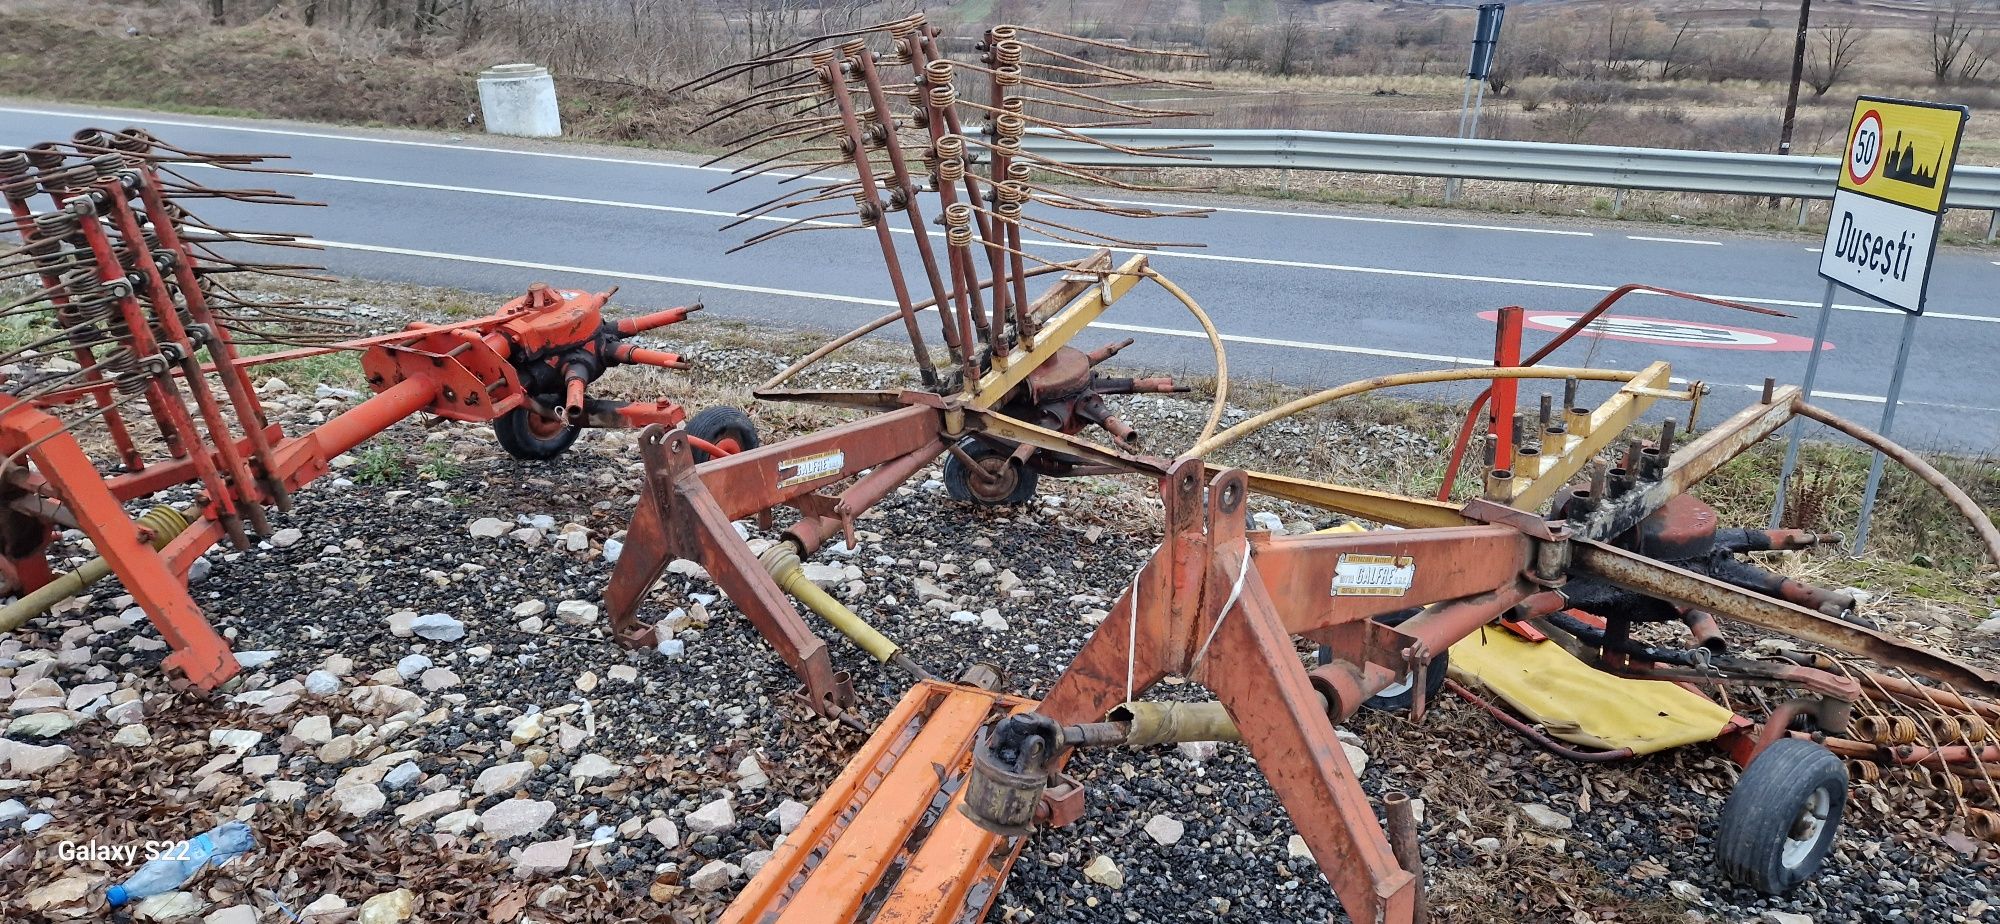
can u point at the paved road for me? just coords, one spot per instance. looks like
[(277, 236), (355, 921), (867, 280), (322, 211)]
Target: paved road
[(1305, 295)]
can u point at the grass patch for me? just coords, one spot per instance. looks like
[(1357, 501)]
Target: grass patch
[(439, 464), (339, 369), (382, 462)]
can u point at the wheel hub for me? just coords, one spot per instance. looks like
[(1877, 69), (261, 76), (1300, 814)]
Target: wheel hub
[(993, 479), (1807, 828)]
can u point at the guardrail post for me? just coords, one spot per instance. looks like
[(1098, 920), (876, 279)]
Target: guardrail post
[(1803, 203), (1992, 225), (1617, 201)]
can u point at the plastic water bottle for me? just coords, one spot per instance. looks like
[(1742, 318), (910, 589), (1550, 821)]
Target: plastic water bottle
[(178, 863)]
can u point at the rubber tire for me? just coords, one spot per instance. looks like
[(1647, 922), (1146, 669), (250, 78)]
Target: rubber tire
[(719, 423), (1767, 802), (1440, 668), (957, 481), (516, 432)]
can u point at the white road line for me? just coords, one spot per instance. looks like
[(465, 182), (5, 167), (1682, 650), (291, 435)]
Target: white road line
[(879, 302), (1328, 216), (331, 136), (612, 274), (1171, 255), (1104, 325), (1670, 240), (626, 161), (1812, 250), (1296, 264), (1159, 254)]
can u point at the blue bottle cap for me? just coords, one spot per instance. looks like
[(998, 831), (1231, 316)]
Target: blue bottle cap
[(115, 895)]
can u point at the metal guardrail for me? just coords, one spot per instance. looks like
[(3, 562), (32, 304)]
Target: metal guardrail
[(1481, 159)]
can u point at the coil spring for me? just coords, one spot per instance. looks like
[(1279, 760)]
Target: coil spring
[(16, 179), (903, 38), (1008, 194), (1018, 173), (1960, 728), (1947, 781), (1983, 824), (942, 95), (949, 156), (52, 255), (90, 300), (958, 224), (46, 157), (106, 166), (866, 208), (92, 138), (133, 139), (121, 366), (57, 225), (1886, 730), (1007, 145), (1864, 771)]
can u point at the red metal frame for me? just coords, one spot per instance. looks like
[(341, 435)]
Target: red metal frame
[(108, 199)]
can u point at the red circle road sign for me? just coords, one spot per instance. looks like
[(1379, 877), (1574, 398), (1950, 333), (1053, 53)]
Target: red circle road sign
[(1864, 149), (1668, 332)]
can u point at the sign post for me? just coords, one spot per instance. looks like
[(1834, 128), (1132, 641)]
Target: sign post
[(1485, 41), (1881, 236)]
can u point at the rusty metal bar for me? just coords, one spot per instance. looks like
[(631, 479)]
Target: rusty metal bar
[(1638, 573), (1929, 474)]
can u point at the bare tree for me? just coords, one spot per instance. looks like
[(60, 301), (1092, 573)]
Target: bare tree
[(1288, 39), (1952, 50), (1623, 37), (1673, 64), (1835, 45)]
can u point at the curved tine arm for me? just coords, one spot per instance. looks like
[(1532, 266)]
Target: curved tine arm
[(808, 168), (1214, 344), (808, 223), (1103, 68), (1080, 40), (1105, 238), (1981, 522), (864, 330), (1377, 383), (727, 71), (767, 213)]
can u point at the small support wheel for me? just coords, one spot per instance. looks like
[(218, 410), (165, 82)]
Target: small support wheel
[(1780, 820), (725, 428), (1000, 482), (526, 434)]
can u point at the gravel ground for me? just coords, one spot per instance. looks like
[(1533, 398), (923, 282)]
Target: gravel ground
[(528, 769)]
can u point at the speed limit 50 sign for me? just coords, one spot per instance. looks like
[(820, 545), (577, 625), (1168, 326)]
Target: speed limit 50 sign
[(1890, 200)]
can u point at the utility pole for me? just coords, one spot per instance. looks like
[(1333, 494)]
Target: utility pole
[(1798, 71)]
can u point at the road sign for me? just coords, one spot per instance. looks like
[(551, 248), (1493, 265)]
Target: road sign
[(1485, 40), (1890, 199)]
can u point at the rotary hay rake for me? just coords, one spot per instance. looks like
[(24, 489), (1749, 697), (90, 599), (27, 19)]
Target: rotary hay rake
[(129, 314), (925, 822)]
